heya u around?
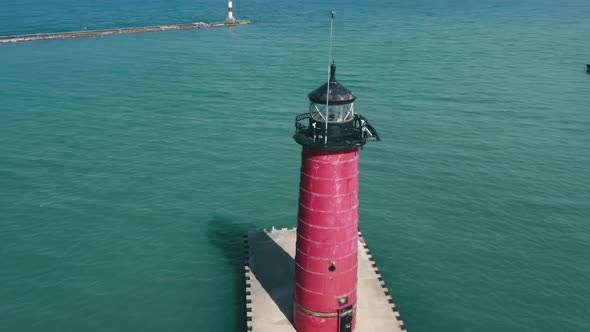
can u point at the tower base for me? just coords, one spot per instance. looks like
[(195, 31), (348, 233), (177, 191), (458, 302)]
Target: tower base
[(270, 267)]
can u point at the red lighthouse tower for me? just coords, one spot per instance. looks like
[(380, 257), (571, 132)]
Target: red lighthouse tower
[(331, 134)]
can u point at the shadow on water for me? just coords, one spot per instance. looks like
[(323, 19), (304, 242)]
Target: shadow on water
[(273, 267), (227, 235)]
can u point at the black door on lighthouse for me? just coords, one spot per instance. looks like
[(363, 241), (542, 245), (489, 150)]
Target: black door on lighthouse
[(345, 316)]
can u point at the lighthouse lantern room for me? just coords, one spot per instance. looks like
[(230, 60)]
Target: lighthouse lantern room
[(331, 123)]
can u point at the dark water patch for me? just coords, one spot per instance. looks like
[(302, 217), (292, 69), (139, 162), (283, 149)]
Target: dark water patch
[(226, 234)]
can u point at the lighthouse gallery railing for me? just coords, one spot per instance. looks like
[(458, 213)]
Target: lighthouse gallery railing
[(362, 132)]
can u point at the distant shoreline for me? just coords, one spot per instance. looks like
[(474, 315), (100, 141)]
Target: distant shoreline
[(107, 32)]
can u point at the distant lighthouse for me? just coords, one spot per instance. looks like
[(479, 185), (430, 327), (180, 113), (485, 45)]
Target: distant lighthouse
[(230, 13), (326, 258)]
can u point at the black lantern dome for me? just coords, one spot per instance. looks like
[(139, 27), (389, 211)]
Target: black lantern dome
[(331, 123), (338, 93)]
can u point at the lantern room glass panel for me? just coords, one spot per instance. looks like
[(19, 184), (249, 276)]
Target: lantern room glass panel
[(336, 113)]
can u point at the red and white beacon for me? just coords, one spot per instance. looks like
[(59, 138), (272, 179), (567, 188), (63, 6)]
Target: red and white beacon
[(326, 259), (230, 13)]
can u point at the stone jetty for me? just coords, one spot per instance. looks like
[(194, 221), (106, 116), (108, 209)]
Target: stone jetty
[(98, 33)]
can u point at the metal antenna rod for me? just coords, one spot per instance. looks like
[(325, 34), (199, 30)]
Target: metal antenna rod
[(332, 13)]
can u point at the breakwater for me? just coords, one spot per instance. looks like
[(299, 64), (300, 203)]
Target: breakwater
[(107, 32)]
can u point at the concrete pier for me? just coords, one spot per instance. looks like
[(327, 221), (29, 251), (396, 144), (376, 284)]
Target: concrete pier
[(269, 269), (98, 33)]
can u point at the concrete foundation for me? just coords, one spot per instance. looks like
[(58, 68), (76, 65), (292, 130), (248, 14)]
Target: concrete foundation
[(269, 268)]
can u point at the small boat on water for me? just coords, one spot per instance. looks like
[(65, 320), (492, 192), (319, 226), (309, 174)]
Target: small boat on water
[(588, 67)]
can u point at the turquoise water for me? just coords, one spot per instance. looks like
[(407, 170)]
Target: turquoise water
[(131, 165)]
